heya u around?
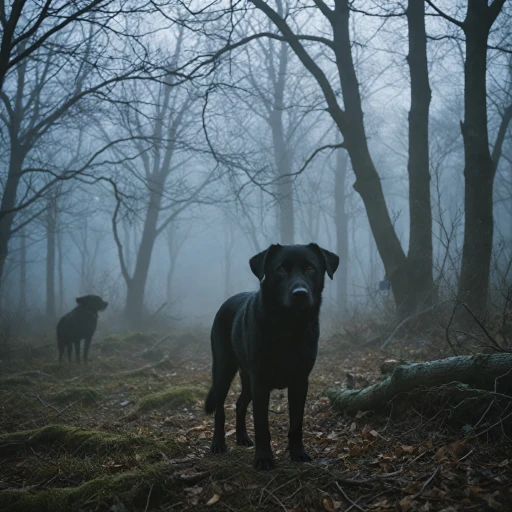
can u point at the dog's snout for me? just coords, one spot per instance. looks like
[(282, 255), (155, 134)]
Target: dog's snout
[(300, 293)]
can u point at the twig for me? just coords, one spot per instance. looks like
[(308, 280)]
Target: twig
[(149, 497), (448, 331), (428, 482), (486, 332), (352, 503), (348, 481), (467, 454)]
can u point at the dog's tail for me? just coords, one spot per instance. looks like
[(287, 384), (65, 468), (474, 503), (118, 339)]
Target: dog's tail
[(209, 403)]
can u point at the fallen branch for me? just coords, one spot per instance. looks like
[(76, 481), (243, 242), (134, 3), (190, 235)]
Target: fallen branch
[(480, 371)]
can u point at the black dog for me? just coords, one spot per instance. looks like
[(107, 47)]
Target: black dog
[(78, 325), (272, 336)]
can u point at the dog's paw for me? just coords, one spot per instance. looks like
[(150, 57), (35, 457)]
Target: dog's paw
[(218, 447), (244, 440), (264, 461), (300, 455)]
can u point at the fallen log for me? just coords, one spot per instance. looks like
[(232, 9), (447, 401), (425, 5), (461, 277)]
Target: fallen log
[(482, 371)]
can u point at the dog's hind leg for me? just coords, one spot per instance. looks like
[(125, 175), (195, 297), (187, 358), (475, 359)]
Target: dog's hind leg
[(242, 438), (69, 348), (224, 374)]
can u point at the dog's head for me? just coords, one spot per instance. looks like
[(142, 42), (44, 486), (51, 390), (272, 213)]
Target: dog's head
[(92, 303), (293, 276)]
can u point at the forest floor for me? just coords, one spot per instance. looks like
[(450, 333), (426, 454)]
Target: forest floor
[(127, 432)]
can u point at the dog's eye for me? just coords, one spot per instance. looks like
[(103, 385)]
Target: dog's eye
[(281, 270), (309, 268)]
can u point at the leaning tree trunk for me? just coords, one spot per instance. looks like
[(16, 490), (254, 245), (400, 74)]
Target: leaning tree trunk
[(341, 223), (479, 169), (484, 372)]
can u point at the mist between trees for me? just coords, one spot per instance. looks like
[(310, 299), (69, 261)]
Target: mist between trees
[(150, 148)]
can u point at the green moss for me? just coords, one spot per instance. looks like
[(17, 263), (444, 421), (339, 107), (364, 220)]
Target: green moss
[(174, 398), (14, 380), (76, 440), (131, 487), (84, 395)]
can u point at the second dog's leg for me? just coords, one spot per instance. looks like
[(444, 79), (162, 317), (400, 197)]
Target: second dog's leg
[(87, 344), (296, 402), (263, 458), (242, 438), (69, 348), (77, 351)]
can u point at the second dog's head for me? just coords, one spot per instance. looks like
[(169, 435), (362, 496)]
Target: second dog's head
[(293, 276), (92, 303)]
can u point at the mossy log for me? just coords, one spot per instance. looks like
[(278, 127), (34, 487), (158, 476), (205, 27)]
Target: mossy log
[(482, 371)]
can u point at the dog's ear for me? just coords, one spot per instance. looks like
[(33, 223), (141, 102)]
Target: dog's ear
[(257, 262), (330, 259)]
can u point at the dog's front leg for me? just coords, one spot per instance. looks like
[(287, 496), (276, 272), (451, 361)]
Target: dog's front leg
[(260, 400), (297, 393)]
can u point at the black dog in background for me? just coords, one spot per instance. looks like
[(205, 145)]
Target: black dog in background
[(78, 325), (272, 336)]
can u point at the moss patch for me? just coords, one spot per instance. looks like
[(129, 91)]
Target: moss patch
[(14, 380), (174, 398), (84, 395), (78, 441), (133, 487)]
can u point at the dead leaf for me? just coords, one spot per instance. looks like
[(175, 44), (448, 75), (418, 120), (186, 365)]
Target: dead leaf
[(230, 432), (328, 504), (213, 499)]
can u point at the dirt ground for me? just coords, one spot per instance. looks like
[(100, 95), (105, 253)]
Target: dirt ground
[(126, 432)]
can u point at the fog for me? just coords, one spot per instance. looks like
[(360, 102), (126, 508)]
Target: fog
[(149, 151)]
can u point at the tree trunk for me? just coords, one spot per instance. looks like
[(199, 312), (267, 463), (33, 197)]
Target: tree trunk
[(479, 169), (134, 307), (419, 257), (50, 260), (9, 202), (281, 153), (23, 271), (341, 222), (60, 250), (485, 372)]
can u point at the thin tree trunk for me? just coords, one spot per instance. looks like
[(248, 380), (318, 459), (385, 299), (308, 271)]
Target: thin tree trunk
[(281, 153), (60, 251), (50, 261), (341, 222), (23, 271)]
